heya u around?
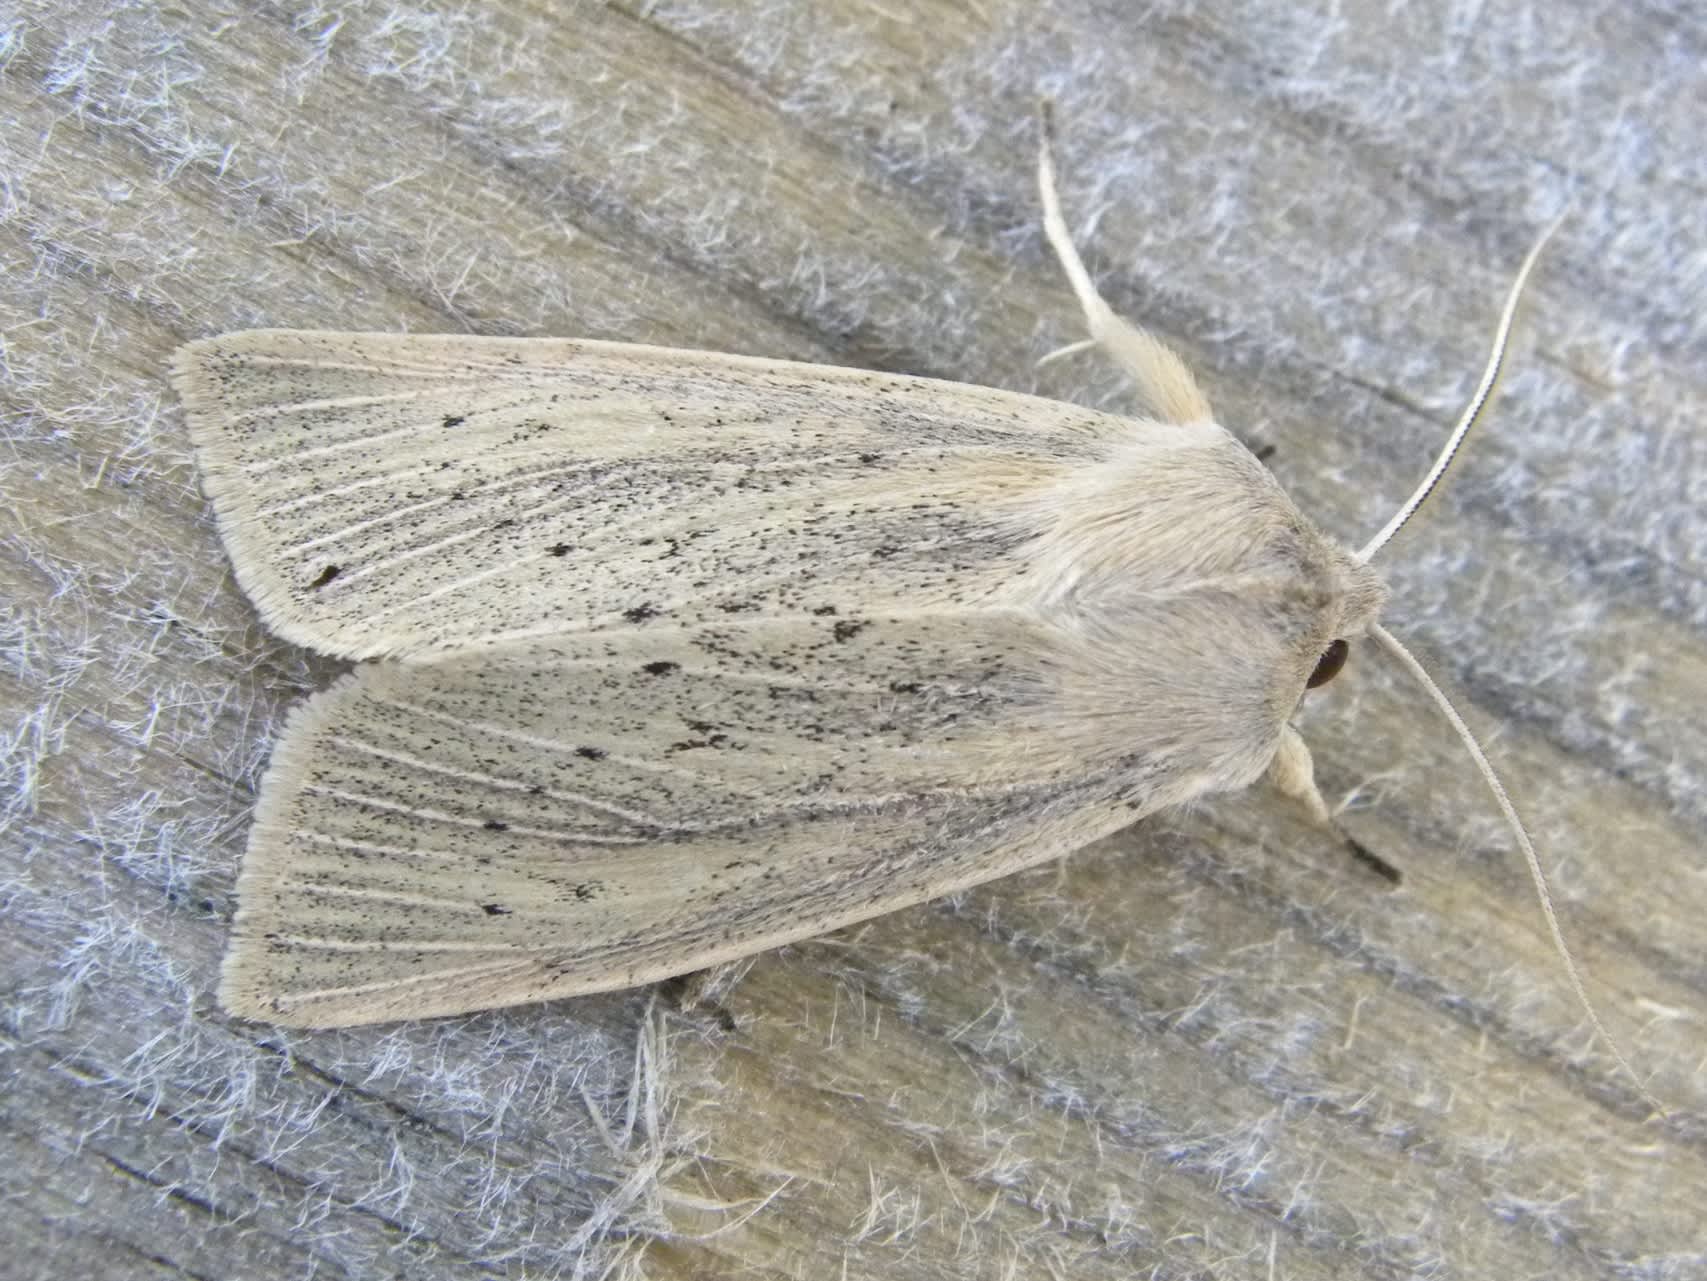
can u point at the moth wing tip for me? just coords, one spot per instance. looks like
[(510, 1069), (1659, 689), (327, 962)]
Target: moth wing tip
[(190, 375), (248, 991), (245, 994)]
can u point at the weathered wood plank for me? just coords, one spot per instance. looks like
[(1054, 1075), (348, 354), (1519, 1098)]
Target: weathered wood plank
[(1214, 1046)]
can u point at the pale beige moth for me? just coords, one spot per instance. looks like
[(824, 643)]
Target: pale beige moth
[(670, 657)]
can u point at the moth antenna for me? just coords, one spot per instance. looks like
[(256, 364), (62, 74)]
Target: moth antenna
[(1163, 381), (1473, 411), (1543, 891)]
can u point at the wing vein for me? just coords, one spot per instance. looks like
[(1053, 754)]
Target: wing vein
[(362, 800), (429, 767)]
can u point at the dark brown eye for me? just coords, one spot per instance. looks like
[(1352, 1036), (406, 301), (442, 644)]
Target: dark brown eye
[(1329, 664)]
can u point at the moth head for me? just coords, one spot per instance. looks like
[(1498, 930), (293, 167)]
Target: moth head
[(1353, 596), (1352, 604)]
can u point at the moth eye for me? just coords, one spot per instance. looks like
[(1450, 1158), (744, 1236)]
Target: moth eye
[(1329, 664)]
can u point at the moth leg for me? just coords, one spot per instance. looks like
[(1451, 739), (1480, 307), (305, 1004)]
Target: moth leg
[(708, 990), (1165, 384), (1293, 774)]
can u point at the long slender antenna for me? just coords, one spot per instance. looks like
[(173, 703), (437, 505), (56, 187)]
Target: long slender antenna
[(1542, 889), (1473, 411)]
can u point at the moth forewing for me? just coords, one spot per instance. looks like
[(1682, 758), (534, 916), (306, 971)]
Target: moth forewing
[(390, 495), (573, 816)]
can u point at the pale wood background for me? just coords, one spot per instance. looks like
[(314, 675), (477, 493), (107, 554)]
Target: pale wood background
[(1215, 1047)]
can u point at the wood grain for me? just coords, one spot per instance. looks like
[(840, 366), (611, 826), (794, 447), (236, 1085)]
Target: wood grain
[(1213, 1046)]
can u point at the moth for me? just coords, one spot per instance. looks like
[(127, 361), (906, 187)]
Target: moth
[(669, 657)]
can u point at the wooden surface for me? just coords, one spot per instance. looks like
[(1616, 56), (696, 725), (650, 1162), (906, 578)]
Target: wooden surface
[(1215, 1047)]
